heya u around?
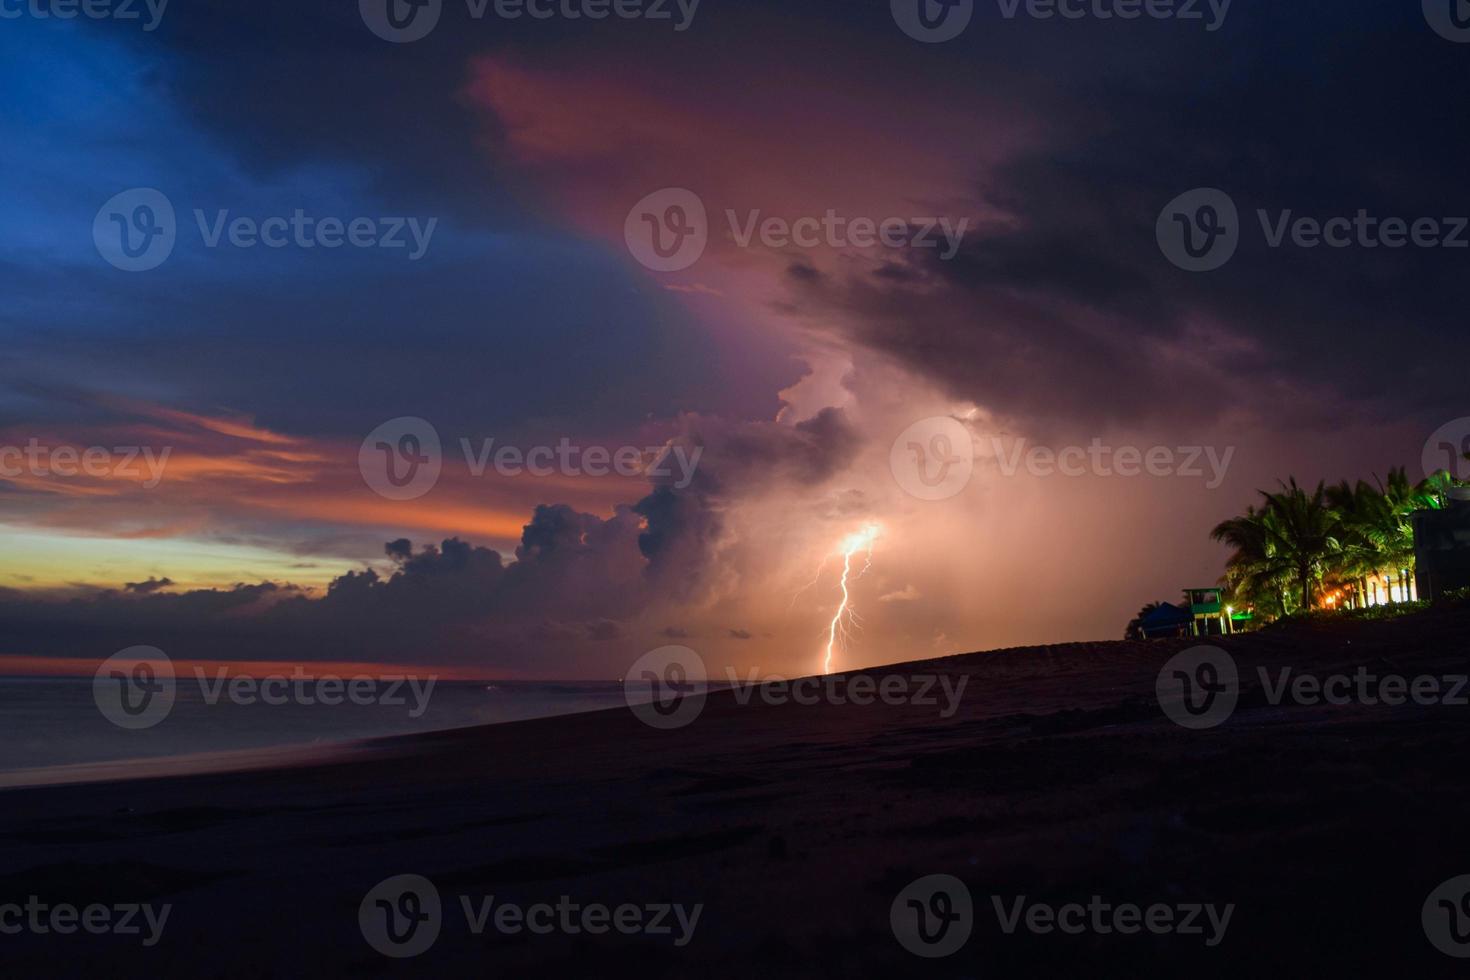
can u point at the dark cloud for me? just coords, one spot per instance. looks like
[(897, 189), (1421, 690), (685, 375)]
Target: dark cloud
[(451, 603), (1066, 310), (603, 630), (740, 455), (576, 578), (803, 272), (683, 526), (152, 585)]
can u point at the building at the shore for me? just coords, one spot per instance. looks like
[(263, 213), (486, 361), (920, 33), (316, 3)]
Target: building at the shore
[(1203, 613), (1442, 547), (1209, 615)]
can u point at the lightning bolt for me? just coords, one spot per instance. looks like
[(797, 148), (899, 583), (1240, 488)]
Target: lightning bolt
[(815, 579), (861, 540)]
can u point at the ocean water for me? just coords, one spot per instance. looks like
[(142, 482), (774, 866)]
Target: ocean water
[(56, 721)]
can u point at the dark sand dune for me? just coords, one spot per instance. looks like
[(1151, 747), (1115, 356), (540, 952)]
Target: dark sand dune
[(1059, 778)]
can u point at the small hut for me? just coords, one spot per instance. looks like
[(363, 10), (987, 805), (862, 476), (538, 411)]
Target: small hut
[(1207, 611)]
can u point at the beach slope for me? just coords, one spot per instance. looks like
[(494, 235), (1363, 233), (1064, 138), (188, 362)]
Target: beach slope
[(794, 827)]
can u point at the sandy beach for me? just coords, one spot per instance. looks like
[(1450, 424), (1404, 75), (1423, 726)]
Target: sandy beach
[(794, 828)]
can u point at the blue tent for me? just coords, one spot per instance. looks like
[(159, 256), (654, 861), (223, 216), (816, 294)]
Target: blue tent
[(1167, 620)]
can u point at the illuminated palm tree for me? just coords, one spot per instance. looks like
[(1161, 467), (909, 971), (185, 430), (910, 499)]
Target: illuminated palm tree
[(1438, 486), (1256, 572), (1304, 534), (1358, 506), (1378, 527), (1346, 533)]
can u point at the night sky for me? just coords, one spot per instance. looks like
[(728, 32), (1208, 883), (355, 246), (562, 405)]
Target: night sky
[(526, 319)]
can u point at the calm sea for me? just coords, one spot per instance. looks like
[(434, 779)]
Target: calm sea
[(55, 721)]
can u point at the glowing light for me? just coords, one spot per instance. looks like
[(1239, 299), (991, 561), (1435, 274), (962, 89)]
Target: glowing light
[(860, 540)]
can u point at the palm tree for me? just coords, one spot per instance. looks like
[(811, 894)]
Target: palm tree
[(1357, 505), (1394, 534), (1256, 572), (1437, 487), (1305, 533), (1378, 527), (1135, 627), (1345, 533)]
